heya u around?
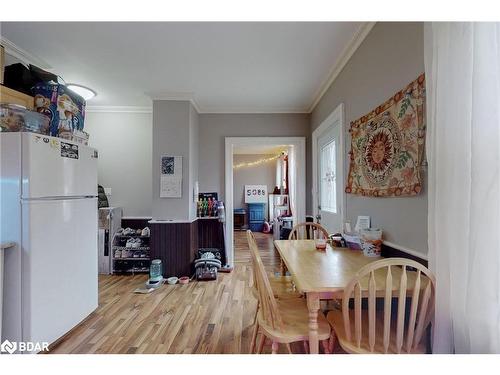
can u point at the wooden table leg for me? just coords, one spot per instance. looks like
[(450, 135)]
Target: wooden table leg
[(282, 268), (313, 307)]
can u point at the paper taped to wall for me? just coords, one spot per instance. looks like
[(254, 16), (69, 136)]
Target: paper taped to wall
[(171, 177)]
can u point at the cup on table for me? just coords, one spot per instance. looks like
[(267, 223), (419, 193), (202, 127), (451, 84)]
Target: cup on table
[(320, 244)]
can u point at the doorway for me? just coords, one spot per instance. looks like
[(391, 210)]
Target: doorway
[(328, 171), (295, 147)]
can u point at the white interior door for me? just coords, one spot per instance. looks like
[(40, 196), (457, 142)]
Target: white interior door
[(329, 178)]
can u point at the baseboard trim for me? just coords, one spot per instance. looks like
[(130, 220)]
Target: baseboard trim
[(406, 250)]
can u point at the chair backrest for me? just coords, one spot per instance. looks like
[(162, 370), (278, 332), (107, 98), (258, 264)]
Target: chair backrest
[(268, 305), (252, 245), (420, 311), (308, 231)]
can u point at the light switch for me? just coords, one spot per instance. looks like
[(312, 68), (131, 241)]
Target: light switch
[(107, 191)]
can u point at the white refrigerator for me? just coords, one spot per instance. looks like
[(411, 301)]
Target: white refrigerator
[(48, 200)]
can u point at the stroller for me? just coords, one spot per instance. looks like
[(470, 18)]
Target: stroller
[(207, 264)]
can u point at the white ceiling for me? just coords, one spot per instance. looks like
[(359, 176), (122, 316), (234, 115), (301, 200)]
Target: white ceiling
[(223, 67)]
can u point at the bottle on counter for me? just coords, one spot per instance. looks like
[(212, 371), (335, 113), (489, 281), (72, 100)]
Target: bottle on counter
[(221, 213), (210, 207), (215, 208), (205, 207), (198, 207)]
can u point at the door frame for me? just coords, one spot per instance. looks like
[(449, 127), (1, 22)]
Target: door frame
[(337, 116), (299, 148)]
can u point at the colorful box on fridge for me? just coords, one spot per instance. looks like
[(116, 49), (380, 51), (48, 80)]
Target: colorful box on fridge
[(64, 108)]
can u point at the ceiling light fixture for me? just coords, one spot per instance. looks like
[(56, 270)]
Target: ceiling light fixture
[(83, 91)]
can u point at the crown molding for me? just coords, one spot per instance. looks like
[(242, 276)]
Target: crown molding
[(117, 109), (175, 96), (252, 110), (23, 55), (212, 110), (341, 62)]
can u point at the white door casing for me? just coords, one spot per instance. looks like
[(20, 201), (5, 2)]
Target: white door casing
[(297, 144), (327, 138)]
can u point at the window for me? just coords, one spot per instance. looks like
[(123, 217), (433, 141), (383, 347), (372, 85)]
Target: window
[(328, 186)]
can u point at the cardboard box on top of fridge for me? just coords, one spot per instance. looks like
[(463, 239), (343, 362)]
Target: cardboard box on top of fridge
[(64, 108)]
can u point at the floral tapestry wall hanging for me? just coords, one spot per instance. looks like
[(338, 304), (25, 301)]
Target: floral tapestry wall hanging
[(387, 146)]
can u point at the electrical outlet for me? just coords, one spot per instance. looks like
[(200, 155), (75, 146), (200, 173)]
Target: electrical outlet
[(107, 191)]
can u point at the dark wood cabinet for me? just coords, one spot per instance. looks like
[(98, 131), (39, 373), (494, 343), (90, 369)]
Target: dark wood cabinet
[(176, 245), (239, 219)]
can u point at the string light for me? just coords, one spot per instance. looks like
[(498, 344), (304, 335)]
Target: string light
[(256, 162)]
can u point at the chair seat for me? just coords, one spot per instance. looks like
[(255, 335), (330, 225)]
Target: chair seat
[(295, 316), (336, 320), (282, 288)]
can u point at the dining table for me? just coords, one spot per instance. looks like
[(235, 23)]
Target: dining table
[(323, 275)]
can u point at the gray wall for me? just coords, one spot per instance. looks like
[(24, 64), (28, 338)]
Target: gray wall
[(390, 57), (174, 133), (124, 143), (215, 127), (262, 174)]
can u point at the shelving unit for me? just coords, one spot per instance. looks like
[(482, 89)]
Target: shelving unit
[(278, 206), (131, 264)]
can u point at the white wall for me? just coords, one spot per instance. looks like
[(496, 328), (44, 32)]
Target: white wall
[(124, 142), (262, 174)]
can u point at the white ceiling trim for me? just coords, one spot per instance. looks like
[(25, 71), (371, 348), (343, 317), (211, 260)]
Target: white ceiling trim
[(341, 62), (23, 55), (257, 110), (118, 109), (139, 109), (179, 96)]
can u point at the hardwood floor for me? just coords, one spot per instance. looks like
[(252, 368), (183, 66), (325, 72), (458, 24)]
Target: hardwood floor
[(201, 317)]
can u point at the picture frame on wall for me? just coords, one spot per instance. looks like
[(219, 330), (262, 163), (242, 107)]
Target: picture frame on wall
[(170, 176)]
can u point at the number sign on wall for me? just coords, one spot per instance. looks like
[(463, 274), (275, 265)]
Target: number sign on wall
[(255, 193)]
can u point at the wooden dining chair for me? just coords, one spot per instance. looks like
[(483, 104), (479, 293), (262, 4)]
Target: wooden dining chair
[(283, 321), (388, 329), (282, 286), (308, 231)]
